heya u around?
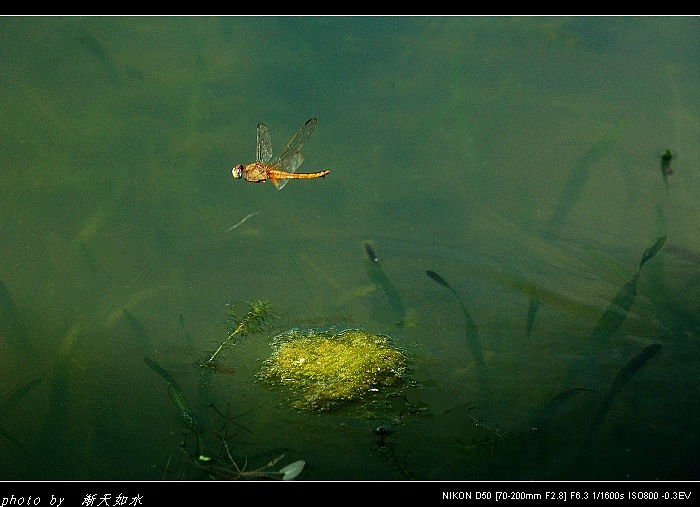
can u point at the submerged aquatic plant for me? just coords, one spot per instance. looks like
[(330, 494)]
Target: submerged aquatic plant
[(327, 369), (230, 470), (254, 321), (223, 466)]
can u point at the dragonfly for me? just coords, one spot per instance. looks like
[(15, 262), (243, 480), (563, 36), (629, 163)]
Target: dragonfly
[(283, 167)]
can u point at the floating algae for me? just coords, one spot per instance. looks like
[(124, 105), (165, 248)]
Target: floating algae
[(323, 370)]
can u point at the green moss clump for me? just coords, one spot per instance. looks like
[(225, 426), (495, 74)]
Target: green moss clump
[(323, 370)]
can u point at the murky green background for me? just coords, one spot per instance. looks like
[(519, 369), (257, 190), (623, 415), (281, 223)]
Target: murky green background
[(518, 158)]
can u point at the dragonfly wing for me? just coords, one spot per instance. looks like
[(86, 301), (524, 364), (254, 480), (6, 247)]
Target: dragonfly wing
[(264, 147), (288, 165), (296, 143)]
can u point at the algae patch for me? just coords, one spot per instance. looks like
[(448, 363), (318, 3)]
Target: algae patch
[(322, 370)]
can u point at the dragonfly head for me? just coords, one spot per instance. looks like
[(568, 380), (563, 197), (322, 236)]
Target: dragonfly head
[(237, 171)]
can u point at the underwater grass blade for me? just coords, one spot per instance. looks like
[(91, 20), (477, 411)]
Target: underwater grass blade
[(370, 253), (254, 321), (666, 158), (577, 182), (375, 272), (10, 438), (178, 398), (161, 371), (634, 364), (58, 420), (8, 405), (12, 326), (243, 220), (621, 380), (544, 416), (569, 198), (532, 308), (471, 327), (439, 279), (139, 331), (12, 400), (616, 312), (472, 336), (652, 250)]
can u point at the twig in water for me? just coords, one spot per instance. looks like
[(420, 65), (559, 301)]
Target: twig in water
[(249, 215)]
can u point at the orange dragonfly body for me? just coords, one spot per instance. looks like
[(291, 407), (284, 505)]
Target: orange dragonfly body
[(283, 167)]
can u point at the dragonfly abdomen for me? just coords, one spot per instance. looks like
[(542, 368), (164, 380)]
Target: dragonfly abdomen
[(281, 175)]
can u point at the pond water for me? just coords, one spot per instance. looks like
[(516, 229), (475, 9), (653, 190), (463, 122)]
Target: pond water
[(497, 205)]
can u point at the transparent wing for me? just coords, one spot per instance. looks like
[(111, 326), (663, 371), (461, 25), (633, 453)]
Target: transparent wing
[(289, 165), (294, 146), (264, 149)]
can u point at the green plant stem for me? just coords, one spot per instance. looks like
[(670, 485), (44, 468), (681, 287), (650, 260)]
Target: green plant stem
[(223, 344)]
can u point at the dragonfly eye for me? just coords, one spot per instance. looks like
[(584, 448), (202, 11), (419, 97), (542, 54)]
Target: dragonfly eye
[(237, 171)]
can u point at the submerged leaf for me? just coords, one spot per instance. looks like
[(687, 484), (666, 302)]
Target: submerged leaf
[(292, 470)]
